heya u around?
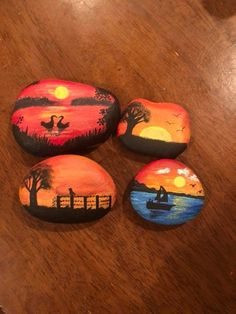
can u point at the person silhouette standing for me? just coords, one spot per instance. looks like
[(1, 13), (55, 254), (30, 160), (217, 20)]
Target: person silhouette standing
[(72, 196)]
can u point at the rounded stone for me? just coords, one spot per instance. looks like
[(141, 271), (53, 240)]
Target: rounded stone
[(67, 189), (167, 192), (157, 129), (53, 117)]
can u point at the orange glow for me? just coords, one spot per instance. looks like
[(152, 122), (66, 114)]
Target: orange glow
[(171, 174), (171, 117), (83, 175)]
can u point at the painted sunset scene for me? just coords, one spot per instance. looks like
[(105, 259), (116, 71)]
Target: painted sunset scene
[(167, 192), (159, 129), (55, 116), (67, 188)]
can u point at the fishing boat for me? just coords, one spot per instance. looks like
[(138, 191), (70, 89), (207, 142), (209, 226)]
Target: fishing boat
[(160, 202)]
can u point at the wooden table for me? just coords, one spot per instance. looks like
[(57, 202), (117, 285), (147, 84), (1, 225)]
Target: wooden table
[(176, 51)]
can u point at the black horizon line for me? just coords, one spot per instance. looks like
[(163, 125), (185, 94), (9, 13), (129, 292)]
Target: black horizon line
[(173, 193), (152, 139), (86, 101)]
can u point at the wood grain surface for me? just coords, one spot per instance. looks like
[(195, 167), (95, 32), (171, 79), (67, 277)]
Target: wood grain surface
[(177, 51)]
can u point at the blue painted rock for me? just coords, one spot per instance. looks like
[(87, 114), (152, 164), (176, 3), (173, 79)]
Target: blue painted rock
[(67, 189), (167, 192), (53, 117), (157, 129)]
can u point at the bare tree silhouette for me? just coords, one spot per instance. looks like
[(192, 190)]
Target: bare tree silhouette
[(38, 178), (135, 113)]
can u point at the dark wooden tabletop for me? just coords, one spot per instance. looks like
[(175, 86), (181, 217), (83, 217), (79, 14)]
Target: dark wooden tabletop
[(174, 51)]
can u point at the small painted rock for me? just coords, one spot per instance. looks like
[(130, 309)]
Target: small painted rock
[(158, 129), (53, 117), (167, 192), (67, 189)]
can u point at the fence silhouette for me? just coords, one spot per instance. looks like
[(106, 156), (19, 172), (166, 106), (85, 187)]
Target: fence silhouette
[(82, 202)]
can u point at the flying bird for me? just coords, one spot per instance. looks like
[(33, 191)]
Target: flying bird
[(200, 191), (181, 130), (49, 125), (176, 115), (193, 185), (170, 122)]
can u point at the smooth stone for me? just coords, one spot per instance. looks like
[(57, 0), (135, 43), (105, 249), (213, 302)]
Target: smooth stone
[(167, 192), (67, 189), (53, 117), (157, 129)]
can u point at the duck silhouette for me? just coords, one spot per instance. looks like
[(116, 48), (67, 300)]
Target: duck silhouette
[(49, 125), (62, 126)]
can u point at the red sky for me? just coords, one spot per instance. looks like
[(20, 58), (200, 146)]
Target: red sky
[(47, 88), (82, 174), (82, 118), (165, 171)]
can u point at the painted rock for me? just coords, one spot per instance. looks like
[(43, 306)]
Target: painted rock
[(167, 192), (67, 189), (56, 117), (158, 129)]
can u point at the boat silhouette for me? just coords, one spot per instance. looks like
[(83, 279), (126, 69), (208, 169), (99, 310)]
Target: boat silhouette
[(160, 202)]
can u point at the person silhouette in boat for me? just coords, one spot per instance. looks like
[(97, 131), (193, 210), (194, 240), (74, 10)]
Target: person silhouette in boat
[(160, 202)]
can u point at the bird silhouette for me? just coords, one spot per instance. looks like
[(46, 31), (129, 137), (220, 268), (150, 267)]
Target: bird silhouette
[(176, 115), (49, 125), (200, 191), (170, 122), (193, 185), (62, 126), (181, 129)]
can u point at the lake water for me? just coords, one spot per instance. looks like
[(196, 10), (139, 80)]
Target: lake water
[(186, 208)]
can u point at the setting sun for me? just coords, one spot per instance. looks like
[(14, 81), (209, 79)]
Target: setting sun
[(61, 92), (157, 133), (179, 181)]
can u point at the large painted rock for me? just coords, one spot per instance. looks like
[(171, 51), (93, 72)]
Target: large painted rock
[(157, 129), (167, 192), (67, 189), (55, 117)]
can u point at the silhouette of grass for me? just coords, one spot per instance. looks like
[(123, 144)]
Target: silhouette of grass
[(66, 215), (41, 146), (152, 147)]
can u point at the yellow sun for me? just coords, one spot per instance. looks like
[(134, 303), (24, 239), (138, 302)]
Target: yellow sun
[(157, 133), (61, 92), (179, 182)]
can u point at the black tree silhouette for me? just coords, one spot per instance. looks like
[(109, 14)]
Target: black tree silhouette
[(105, 116), (135, 113), (30, 101), (102, 94), (38, 178)]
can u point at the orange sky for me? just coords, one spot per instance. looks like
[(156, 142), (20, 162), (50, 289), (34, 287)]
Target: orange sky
[(83, 175), (169, 116), (165, 171)]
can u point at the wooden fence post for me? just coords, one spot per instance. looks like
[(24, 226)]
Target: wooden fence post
[(97, 201), (85, 202), (58, 201)]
